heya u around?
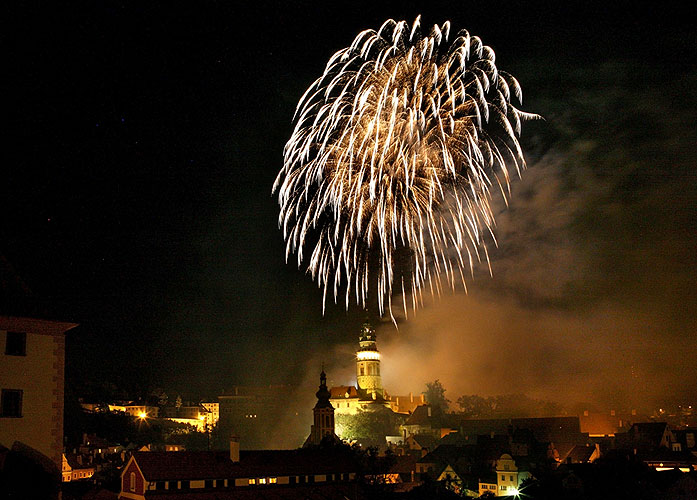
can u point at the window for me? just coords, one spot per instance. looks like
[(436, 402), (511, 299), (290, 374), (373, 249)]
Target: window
[(208, 483), (503, 478), (310, 479), (273, 480), (362, 370), (262, 480), (511, 478), (503, 488), (16, 344), (291, 480), (185, 485), (160, 485), (133, 481), (252, 481), (11, 403)]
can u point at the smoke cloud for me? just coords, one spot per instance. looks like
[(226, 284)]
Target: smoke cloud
[(592, 298)]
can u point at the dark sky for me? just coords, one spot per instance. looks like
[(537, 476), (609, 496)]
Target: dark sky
[(136, 198)]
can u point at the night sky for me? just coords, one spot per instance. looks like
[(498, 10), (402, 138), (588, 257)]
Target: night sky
[(144, 139)]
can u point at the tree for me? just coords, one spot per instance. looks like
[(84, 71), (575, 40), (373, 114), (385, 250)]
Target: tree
[(475, 406), (435, 396), (368, 427)]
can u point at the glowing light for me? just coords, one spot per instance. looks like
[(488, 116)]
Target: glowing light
[(391, 164), (142, 415), (363, 355)]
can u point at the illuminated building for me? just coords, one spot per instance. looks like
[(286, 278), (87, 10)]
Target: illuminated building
[(368, 393), (212, 475)]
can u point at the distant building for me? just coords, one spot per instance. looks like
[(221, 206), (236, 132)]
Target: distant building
[(134, 409), (32, 361), (213, 414), (74, 469), (323, 416), (368, 392), (253, 412)]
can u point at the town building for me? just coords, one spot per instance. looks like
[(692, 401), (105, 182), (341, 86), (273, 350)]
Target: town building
[(239, 474), (32, 362), (74, 469)]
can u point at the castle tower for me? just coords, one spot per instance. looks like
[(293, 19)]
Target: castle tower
[(323, 425), (368, 364)]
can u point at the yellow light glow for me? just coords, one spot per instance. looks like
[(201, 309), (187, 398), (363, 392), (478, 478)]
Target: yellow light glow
[(363, 355), (142, 415)]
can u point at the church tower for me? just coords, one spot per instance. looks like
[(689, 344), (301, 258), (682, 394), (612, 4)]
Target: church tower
[(368, 364), (323, 425)]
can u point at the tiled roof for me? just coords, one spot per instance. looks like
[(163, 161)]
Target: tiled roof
[(580, 454), (341, 390), (420, 416), (326, 491), (166, 466)]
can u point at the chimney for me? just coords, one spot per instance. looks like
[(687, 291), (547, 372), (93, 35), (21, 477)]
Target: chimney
[(235, 449)]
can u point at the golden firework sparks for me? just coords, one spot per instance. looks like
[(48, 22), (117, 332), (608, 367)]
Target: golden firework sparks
[(396, 147)]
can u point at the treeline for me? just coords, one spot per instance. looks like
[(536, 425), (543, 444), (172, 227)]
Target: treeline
[(502, 406)]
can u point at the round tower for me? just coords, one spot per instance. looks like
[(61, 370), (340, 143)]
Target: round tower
[(368, 364)]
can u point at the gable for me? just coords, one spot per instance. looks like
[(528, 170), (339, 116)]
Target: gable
[(132, 479)]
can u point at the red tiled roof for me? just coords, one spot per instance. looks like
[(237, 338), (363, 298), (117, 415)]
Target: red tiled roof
[(326, 491), (341, 390), (167, 466)]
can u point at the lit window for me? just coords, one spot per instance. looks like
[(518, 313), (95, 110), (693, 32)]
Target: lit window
[(273, 480), (16, 344), (11, 403), (262, 480), (252, 481), (133, 481)]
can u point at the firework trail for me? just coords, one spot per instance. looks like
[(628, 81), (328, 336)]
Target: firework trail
[(394, 153)]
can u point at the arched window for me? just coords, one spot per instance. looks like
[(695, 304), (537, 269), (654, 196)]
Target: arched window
[(133, 481)]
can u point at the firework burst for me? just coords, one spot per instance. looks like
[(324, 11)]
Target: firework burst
[(387, 178)]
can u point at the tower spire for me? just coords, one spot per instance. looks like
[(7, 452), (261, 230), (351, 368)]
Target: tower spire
[(323, 413)]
